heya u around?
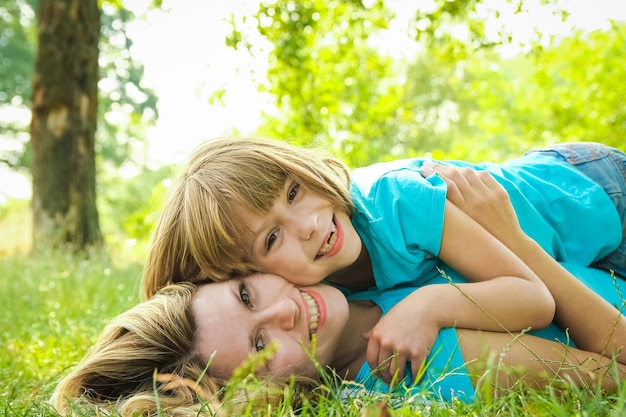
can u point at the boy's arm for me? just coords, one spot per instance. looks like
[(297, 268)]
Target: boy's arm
[(503, 294), (484, 199)]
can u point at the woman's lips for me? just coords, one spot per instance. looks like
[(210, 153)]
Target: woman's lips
[(316, 310)]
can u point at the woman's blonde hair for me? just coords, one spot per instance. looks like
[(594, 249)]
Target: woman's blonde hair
[(143, 353), (199, 236), (144, 363)]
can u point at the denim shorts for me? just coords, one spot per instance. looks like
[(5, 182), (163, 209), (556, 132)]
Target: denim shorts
[(607, 167)]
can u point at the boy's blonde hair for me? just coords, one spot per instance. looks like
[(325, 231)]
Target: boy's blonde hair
[(143, 364), (199, 236)]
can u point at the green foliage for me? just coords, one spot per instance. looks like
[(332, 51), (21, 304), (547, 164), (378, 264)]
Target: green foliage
[(330, 84), (126, 106), (17, 51), (17, 48), (568, 92), (128, 206), (456, 97), (580, 87)]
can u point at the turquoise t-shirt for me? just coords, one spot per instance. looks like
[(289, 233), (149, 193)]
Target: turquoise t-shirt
[(399, 213), (445, 375)]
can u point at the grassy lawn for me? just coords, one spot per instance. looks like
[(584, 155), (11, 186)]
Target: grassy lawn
[(53, 305)]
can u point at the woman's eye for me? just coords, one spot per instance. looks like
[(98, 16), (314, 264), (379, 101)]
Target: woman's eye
[(259, 345), (293, 192), (243, 294)]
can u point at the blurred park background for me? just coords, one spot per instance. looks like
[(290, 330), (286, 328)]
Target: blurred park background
[(101, 101), (372, 80)]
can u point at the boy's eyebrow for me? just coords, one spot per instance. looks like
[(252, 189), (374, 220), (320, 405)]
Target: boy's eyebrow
[(254, 234)]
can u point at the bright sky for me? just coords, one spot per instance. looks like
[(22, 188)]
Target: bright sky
[(186, 59)]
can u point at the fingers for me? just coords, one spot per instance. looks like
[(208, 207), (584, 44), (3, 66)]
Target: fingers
[(468, 189), (395, 371), (479, 195), (379, 359), (383, 361), (390, 365), (463, 178), (458, 181)]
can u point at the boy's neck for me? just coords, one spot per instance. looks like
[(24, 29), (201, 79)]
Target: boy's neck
[(352, 349), (357, 277)]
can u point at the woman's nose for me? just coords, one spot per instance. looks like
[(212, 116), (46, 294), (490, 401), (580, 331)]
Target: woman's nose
[(282, 314)]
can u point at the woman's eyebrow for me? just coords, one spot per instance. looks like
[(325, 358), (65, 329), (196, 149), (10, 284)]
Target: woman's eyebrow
[(269, 365)]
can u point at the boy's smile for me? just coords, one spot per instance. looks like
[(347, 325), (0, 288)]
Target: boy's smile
[(333, 243)]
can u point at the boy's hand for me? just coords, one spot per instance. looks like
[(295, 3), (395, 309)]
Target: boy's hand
[(404, 334), (481, 197)]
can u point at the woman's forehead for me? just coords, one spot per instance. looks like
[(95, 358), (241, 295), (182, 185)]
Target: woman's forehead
[(220, 327)]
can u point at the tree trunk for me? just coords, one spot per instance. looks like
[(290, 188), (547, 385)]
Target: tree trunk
[(64, 115)]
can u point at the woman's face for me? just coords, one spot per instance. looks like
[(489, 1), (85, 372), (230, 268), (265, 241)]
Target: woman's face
[(241, 316)]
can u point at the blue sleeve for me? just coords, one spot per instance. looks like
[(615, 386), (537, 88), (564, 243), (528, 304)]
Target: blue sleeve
[(399, 216)]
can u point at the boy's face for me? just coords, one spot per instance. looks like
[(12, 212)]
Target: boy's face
[(241, 316), (304, 238)]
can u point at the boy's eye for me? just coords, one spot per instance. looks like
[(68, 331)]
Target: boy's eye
[(270, 240), (259, 345), (243, 294), (293, 192)]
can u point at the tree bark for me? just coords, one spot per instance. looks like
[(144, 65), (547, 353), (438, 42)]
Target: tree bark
[(64, 118)]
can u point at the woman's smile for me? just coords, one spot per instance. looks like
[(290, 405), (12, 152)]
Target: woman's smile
[(242, 316), (316, 310)]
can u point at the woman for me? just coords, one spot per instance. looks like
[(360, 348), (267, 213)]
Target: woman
[(174, 351), (252, 205), (145, 361)]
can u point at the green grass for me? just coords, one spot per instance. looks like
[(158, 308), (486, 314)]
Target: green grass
[(52, 307), (54, 304)]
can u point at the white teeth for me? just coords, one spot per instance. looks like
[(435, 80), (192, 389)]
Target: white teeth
[(331, 241), (313, 310)]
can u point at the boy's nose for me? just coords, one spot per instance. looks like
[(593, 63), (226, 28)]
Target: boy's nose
[(308, 225)]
